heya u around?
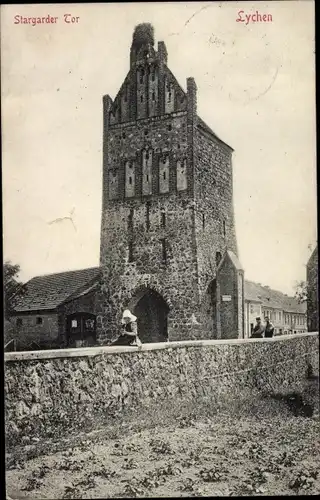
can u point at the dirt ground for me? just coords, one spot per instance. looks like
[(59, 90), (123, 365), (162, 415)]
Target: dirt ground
[(267, 448)]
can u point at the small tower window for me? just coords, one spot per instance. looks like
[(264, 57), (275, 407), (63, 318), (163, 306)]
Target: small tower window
[(224, 228), (130, 180), (153, 96), (218, 258), (141, 76), (130, 256), (147, 178), (141, 98), (164, 250), (164, 176), (130, 219), (203, 221), (148, 215), (163, 219), (169, 127), (123, 135)]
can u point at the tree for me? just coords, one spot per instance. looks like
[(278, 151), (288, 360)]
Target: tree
[(13, 287), (301, 291)]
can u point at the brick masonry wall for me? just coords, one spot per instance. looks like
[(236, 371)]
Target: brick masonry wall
[(50, 394), (156, 162)]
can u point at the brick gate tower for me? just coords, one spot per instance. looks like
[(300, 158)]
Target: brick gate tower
[(168, 244)]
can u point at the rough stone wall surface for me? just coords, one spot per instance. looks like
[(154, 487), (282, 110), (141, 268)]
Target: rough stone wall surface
[(68, 391), (215, 224), (175, 280), (312, 293), (44, 334)]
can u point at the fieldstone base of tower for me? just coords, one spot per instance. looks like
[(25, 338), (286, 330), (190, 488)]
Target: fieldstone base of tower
[(230, 297), (164, 315)]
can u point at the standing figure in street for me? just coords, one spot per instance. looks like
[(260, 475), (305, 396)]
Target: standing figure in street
[(269, 328), (258, 330), (129, 331)]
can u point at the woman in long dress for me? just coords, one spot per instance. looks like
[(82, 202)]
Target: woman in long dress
[(129, 330)]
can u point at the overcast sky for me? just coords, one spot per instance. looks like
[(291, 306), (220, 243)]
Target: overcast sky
[(256, 89)]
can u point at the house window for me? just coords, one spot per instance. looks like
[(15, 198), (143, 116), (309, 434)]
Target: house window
[(19, 322), (39, 321), (164, 250), (130, 256), (74, 323), (169, 127)]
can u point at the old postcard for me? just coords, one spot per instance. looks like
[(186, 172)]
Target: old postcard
[(160, 249)]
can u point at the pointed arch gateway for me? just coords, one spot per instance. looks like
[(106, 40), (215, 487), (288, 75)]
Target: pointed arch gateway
[(152, 312)]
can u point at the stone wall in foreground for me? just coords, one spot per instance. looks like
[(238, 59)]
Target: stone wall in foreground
[(52, 393)]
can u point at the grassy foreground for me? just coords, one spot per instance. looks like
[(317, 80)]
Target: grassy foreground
[(257, 448)]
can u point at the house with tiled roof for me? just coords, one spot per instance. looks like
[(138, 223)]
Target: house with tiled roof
[(58, 310), (286, 313)]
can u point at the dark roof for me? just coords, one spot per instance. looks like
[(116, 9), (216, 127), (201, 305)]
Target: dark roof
[(203, 126), (272, 298), (49, 291)]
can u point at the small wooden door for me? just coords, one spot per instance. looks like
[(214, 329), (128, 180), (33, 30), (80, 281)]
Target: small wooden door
[(81, 330)]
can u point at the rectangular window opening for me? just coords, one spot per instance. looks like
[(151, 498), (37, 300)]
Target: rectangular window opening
[(130, 256), (164, 250), (203, 221), (39, 321), (148, 216), (130, 219), (163, 220)]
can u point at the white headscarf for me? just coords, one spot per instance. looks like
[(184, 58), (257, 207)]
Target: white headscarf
[(128, 314)]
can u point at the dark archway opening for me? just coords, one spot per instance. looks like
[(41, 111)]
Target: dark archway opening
[(152, 313), (81, 330)]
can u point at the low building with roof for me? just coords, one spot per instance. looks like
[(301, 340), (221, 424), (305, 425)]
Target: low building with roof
[(59, 310)]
